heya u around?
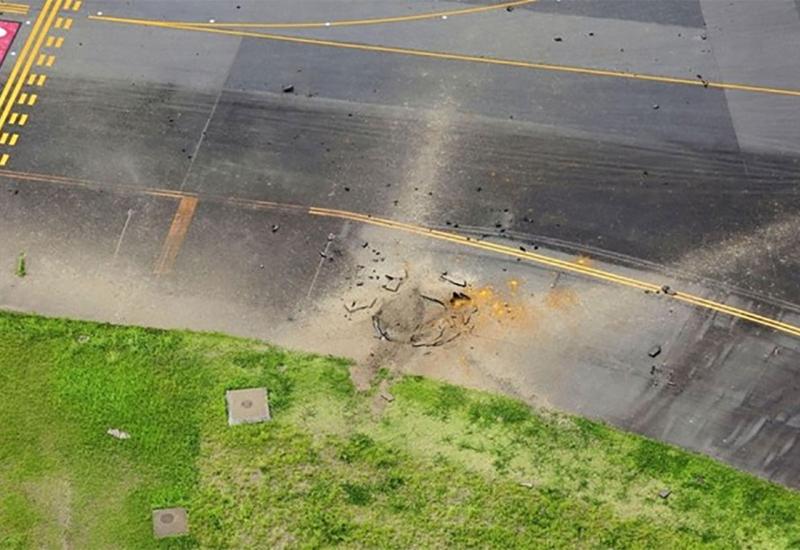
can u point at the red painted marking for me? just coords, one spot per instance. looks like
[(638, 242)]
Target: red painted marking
[(8, 30)]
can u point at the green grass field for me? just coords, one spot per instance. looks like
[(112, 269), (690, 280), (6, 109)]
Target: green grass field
[(440, 466)]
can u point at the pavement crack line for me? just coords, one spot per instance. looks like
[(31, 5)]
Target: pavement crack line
[(180, 225), (487, 60)]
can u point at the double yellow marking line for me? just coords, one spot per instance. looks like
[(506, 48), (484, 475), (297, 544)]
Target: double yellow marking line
[(355, 22), (21, 75), (12, 7), (486, 60), (569, 266), (188, 204)]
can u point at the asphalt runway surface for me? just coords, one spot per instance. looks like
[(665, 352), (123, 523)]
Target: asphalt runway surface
[(606, 177)]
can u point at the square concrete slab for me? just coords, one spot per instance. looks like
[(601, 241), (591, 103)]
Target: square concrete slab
[(247, 406), (170, 522)]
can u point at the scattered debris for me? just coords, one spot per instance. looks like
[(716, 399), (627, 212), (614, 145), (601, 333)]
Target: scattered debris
[(664, 493), (354, 306), (668, 291), (656, 106), (275, 228), (119, 434), (83, 338), (655, 351), (558, 39), (458, 282), (526, 484), (289, 88)]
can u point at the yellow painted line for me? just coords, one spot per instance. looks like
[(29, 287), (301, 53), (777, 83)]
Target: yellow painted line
[(40, 61), (23, 98), (182, 220), (59, 42), (68, 24), (14, 138), (7, 97), (41, 80), (13, 119), (31, 79), (59, 22), (23, 119), (67, 4), (77, 5), (177, 234), (50, 40), (3, 138), (4, 159), (50, 60), (32, 99), (587, 71), (354, 22), (563, 265)]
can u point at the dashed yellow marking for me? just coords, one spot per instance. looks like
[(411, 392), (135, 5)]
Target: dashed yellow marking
[(67, 4), (59, 22), (49, 42), (41, 59), (50, 60), (41, 80), (32, 99), (31, 79), (23, 98), (13, 141), (68, 24), (59, 42), (4, 159), (13, 118), (77, 5), (3, 138), (23, 119)]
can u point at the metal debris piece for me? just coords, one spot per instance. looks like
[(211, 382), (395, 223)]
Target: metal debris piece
[(275, 227), (459, 297), (386, 396), (381, 332), (664, 493), (355, 306), (458, 282), (289, 88), (668, 291), (526, 484), (432, 299), (119, 434), (654, 351)]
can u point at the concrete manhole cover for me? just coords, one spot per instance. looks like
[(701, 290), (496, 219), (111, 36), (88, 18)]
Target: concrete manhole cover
[(247, 406), (170, 522)]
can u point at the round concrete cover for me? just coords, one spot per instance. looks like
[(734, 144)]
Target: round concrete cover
[(247, 406)]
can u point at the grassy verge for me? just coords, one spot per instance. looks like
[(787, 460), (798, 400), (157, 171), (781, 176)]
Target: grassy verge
[(440, 466)]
